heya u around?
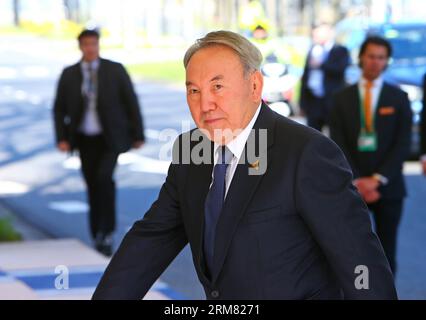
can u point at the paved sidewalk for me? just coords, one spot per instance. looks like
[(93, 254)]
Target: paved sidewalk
[(42, 268), (57, 269)]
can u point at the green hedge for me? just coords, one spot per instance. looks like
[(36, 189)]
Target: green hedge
[(7, 232)]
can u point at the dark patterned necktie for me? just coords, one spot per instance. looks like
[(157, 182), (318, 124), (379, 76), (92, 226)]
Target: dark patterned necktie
[(214, 203)]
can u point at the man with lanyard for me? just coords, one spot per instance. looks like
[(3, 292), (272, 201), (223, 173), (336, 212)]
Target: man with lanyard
[(371, 122)]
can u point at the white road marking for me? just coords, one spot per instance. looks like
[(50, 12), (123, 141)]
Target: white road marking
[(13, 188), (144, 164), (7, 73), (35, 72), (72, 163), (69, 207)]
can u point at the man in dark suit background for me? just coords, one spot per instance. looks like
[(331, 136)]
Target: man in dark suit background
[(371, 122), (266, 204), (97, 112), (323, 75)]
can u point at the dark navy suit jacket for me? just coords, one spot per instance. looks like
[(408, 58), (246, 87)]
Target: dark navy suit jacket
[(296, 232), (117, 106)]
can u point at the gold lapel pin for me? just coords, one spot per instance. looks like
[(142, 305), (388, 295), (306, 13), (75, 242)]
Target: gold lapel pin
[(255, 165)]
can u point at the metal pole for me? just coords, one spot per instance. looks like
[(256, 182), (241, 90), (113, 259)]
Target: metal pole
[(16, 13)]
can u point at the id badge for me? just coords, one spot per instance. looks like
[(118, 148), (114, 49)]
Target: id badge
[(367, 142)]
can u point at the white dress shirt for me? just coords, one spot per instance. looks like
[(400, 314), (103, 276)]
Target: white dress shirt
[(90, 124), (375, 95), (236, 146), (315, 82)]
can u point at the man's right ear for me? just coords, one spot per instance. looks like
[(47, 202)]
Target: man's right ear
[(257, 85)]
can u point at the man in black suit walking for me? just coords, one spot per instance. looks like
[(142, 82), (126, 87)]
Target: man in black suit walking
[(266, 204), (371, 122), (97, 112), (323, 75)]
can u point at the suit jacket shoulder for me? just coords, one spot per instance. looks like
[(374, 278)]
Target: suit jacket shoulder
[(111, 65), (109, 62), (345, 96), (337, 48), (70, 70), (394, 90), (347, 90)]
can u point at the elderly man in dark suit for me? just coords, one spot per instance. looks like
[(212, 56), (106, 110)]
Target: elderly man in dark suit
[(267, 205), (97, 112), (371, 122), (323, 75)]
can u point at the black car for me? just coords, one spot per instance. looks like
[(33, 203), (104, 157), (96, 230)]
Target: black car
[(406, 68)]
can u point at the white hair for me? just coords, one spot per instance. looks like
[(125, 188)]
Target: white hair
[(250, 56)]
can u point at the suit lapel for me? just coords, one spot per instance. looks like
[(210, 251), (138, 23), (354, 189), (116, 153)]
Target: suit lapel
[(101, 78), (239, 195), (381, 102), (79, 75), (77, 82), (353, 113)]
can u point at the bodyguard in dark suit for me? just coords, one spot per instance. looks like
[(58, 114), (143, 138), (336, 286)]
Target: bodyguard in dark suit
[(267, 205), (96, 111), (371, 122), (323, 75)]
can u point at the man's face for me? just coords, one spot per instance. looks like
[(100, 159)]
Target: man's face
[(260, 34), (322, 34), (220, 96), (89, 47), (374, 61)]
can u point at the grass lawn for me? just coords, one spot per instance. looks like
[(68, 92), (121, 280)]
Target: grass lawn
[(7, 232), (170, 71)]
